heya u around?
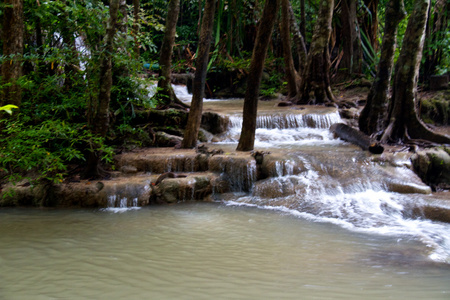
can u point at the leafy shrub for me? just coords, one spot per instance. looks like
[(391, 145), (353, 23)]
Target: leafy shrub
[(46, 149)]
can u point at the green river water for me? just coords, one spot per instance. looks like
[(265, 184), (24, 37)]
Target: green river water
[(205, 251)]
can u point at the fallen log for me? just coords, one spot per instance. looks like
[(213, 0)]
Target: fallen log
[(356, 137)]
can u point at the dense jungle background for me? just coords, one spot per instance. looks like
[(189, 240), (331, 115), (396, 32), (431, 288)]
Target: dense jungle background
[(80, 72)]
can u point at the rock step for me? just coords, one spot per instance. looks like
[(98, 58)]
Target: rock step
[(136, 190)]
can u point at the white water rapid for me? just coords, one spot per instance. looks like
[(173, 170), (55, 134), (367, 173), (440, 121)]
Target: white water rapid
[(323, 179)]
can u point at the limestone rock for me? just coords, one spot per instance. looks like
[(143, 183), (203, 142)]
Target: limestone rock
[(433, 167), (167, 140), (214, 123), (189, 188)]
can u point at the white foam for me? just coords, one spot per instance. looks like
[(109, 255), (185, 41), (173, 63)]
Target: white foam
[(372, 212), (120, 209)]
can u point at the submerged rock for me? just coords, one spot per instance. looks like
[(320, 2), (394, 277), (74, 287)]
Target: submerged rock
[(434, 213), (404, 187)]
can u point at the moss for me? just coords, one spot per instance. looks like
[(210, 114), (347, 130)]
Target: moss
[(202, 137), (436, 110)]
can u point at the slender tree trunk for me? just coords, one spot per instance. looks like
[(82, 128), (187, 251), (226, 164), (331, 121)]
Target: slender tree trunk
[(71, 66), (316, 77), (291, 74), (349, 62), (98, 112), (373, 115), (11, 68), (247, 139), (404, 123), (165, 91), (120, 69), (370, 20), (298, 40), (198, 89), (122, 22), (136, 7), (303, 18), (437, 28)]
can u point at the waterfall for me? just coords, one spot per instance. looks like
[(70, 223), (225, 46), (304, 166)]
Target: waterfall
[(239, 172), (285, 121), (117, 203), (290, 120), (281, 130), (315, 176), (308, 173)]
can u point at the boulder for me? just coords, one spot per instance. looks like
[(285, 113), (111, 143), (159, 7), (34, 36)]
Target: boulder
[(274, 188), (433, 167), (163, 139), (214, 123), (180, 189)]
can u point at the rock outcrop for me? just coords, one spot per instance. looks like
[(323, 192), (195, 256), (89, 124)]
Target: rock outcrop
[(433, 167)]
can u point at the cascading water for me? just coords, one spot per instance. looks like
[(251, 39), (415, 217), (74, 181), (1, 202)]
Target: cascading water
[(325, 179), (117, 203), (321, 178)]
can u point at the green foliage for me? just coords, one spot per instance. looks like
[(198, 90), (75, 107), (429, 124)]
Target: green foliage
[(237, 63), (61, 64), (371, 58), (272, 81), (44, 150)]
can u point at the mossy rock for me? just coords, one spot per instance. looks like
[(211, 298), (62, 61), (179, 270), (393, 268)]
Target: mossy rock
[(433, 167), (436, 110), (214, 123), (163, 139), (168, 117)]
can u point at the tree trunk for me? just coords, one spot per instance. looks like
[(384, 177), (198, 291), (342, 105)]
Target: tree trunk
[(11, 68), (303, 18), (136, 7), (404, 123), (299, 40), (373, 115), (98, 112), (316, 77), (356, 137), (370, 21), (71, 66), (247, 139), (195, 113), (437, 28), (291, 74), (122, 22), (350, 60), (165, 92)]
